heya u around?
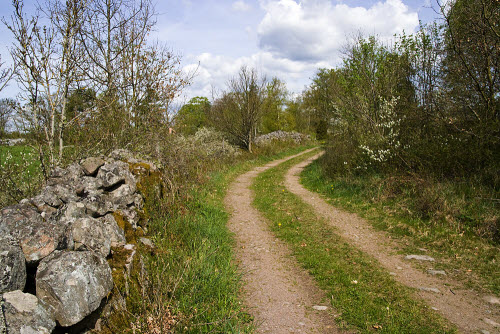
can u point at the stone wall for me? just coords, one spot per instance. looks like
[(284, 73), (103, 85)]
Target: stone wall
[(56, 248)]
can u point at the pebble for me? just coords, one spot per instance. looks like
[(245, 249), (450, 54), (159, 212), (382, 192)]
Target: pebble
[(419, 257), (392, 274), (484, 331), (435, 308), (492, 299), (436, 272), (435, 290), (320, 308)]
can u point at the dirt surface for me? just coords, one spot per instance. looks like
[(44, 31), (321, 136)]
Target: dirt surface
[(465, 308), (279, 293)]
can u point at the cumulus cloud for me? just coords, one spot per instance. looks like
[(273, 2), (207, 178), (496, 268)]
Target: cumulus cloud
[(241, 6), (214, 71), (315, 30), (296, 38)]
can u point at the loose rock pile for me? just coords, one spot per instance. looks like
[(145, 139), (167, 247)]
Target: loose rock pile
[(56, 247), (282, 135)]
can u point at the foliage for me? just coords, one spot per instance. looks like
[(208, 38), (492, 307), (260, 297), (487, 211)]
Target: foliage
[(427, 105), (275, 116), (192, 116), (6, 113), (238, 111)]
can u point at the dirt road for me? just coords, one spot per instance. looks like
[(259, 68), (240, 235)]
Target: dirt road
[(280, 295), (465, 308)]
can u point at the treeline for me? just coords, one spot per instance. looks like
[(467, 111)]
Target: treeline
[(90, 78), (429, 104)]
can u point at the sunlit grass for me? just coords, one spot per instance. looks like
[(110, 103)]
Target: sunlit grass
[(365, 295)]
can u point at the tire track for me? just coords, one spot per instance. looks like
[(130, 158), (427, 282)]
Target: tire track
[(465, 308), (278, 292)]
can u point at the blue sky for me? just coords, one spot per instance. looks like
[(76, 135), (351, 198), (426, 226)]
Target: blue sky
[(289, 39)]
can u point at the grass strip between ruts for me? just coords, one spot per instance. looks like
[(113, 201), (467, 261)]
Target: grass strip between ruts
[(365, 296)]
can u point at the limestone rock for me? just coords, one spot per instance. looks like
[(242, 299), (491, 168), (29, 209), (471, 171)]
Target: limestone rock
[(66, 175), (25, 314), (112, 231), (89, 186), (97, 206), (90, 166), (147, 242), (131, 216), (47, 197), (121, 154), (73, 211), (419, 257), (73, 284), (116, 173), (38, 237), (91, 234), (12, 265), (122, 197), (435, 290), (436, 272)]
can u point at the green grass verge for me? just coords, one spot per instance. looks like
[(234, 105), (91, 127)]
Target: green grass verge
[(193, 278), (464, 255), (364, 294)]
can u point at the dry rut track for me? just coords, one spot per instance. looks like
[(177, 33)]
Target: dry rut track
[(465, 308), (278, 292)]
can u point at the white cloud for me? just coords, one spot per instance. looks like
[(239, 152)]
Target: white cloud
[(316, 30), (214, 71), (241, 6)]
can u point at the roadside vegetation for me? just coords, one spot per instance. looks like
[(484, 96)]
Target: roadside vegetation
[(446, 220), (364, 296), (192, 283)]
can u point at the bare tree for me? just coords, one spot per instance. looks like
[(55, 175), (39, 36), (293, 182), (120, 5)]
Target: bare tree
[(114, 30), (45, 57), (5, 75), (238, 111)]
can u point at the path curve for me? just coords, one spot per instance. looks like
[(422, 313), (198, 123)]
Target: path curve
[(280, 295), (465, 308)]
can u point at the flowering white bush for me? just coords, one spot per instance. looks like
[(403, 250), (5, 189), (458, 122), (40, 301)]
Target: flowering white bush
[(384, 142)]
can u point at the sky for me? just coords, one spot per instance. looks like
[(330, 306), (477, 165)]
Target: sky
[(288, 39)]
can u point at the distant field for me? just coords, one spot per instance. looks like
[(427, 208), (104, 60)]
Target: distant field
[(20, 173)]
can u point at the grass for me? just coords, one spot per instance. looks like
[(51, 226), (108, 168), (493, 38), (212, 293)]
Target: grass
[(19, 173), (459, 250), (193, 284), (365, 296)]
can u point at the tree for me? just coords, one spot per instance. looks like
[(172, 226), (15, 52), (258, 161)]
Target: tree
[(238, 112), (193, 115), (5, 75), (274, 115), (321, 99), (6, 112), (472, 76), (45, 57)]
